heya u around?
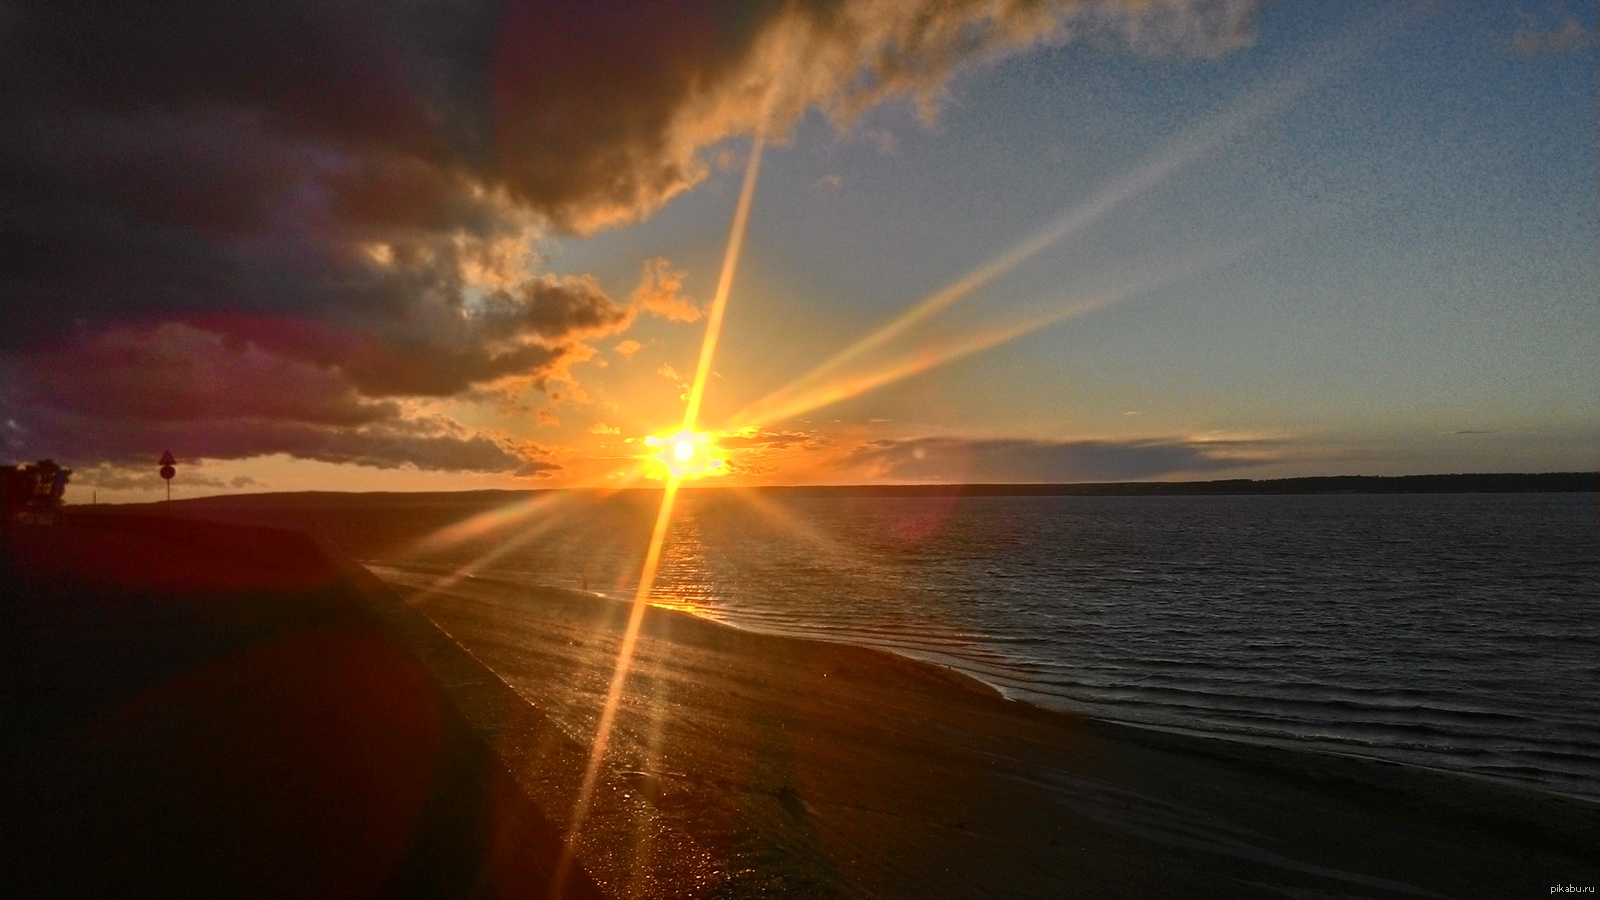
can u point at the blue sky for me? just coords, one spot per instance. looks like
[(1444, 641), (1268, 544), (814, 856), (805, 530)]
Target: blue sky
[(1407, 272)]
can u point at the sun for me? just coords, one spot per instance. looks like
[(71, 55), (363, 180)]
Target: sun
[(686, 455)]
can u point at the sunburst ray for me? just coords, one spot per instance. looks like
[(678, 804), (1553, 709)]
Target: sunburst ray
[(658, 535), (1195, 143)]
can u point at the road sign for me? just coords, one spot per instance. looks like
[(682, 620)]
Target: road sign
[(167, 470)]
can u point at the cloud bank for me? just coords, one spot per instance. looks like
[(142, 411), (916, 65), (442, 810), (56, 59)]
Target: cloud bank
[(952, 460), (267, 228)]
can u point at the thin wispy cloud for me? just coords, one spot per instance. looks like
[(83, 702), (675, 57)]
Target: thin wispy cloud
[(1571, 36), (660, 292)]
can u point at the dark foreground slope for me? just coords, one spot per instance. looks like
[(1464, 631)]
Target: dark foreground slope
[(198, 709)]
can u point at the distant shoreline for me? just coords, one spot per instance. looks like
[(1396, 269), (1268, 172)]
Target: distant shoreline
[(1499, 483), (1541, 483)]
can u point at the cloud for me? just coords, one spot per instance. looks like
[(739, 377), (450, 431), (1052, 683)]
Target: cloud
[(1034, 461), (1569, 36), (659, 294), (1163, 28), (336, 206), (830, 182), (766, 439), (601, 120), (427, 445), (123, 395), (177, 373), (602, 428), (674, 376), (626, 349), (427, 329), (189, 163), (148, 478), (305, 387)]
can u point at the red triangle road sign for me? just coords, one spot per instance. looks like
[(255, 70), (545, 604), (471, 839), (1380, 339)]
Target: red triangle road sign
[(167, 460)]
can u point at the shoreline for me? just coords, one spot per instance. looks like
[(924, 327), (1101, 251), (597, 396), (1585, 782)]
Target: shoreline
[(758, 746), (1288, 744), (259, 715)]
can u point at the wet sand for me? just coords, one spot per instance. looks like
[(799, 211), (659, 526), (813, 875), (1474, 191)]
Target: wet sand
[(751, 765)]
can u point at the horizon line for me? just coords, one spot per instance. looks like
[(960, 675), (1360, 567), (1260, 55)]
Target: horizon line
[(1470, 482)]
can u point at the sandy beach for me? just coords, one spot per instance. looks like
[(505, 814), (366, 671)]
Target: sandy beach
[(751, 765), (200, 708)]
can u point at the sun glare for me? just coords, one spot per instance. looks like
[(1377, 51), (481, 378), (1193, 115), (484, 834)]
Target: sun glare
[(687, 455)]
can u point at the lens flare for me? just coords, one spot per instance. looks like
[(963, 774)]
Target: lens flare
[(690, 454)]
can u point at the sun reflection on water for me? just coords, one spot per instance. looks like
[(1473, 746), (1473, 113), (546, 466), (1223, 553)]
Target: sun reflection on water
[(686, 571)]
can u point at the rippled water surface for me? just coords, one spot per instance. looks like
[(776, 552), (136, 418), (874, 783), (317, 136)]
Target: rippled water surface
[(1457, 631)]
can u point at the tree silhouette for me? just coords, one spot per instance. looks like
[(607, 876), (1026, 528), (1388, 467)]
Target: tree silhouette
[(32, 493)]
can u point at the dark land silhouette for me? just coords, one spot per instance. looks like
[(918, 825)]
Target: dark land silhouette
[(201, 709)]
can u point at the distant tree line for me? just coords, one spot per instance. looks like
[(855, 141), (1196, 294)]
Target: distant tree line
[(1507, 483)]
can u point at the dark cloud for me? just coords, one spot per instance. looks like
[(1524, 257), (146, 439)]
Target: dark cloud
[(124, 395), (176, 157), (333, 203), (175, 373), (1025, 461), (441, 343), (430, 445)]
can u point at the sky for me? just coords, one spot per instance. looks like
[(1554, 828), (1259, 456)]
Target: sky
[(460, 244)]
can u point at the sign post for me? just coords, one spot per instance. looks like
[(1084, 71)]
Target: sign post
[(167, 471)]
